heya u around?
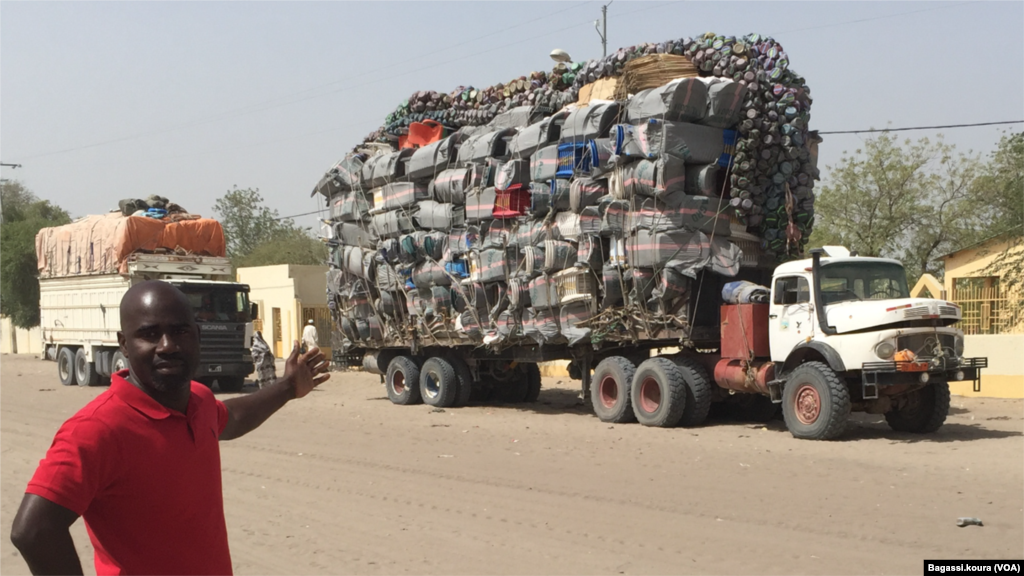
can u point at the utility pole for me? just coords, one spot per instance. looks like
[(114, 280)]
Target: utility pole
[(603, 30), (1, 189)]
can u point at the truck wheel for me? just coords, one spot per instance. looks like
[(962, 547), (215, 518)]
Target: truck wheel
[(464, 377), (924, 412), (118, 362), (533, 383), (85, 371), (513, 387), (698, 391), (66, 366), (815, 403), (658, 393), (403, 380), (438, 383), (231, 383), (610, 390)]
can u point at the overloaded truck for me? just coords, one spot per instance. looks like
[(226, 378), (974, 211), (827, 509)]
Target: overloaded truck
[(86, 267), (644, 216)]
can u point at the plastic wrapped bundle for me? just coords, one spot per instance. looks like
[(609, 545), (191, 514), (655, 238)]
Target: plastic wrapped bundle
[(508, 324), (354, 235), (744, 292), (480, 205), (489, 265), (342, 177), (540, 199), (392, 224), (693, 143), (589, 122), (572, 315), (533, 233), (479, 147), (386, 278), (559, 191), (358, 262), (450, 186), (625, 143), (436, 216), (681, 100), (601, 151), (375, 171), (534, 137), (585, 192), (392, 304), (543, 293), (590, 252), (463, 240), (499, 233), (725, 101), (544, 164), (518, 293), (704, 180), (541, 325), (428, 161), (615, 285), (698, 213), (349, 207), (512, 173), (400, 195)]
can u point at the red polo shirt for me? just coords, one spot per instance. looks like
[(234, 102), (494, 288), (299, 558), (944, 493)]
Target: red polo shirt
[(146, 480)]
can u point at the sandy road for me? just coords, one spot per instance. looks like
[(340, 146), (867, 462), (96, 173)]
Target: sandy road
[(344, 482)]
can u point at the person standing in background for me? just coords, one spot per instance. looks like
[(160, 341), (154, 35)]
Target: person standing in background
[(266, 372), (309, 336)]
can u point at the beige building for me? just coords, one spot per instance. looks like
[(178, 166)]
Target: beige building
[(992, 321), (287, 296)]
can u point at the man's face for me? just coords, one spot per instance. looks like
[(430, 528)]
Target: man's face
[(160, 339)]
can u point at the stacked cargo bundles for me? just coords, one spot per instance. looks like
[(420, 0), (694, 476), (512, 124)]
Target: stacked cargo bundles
[(530, 220)]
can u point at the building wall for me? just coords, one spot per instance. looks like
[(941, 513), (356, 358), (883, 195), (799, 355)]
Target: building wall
[(288, 288), (1004, 377), (19, 340), (972, 261)]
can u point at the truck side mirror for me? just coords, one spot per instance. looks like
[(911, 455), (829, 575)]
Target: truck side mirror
[(254, 311)]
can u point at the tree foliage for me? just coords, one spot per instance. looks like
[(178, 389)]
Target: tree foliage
[(914, 201), (256, 235), (23, 216), (1003, 181)]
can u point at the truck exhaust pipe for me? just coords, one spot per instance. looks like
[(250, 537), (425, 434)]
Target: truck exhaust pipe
[(819, 305)]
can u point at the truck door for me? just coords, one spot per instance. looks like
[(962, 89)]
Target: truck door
[(790, 318)]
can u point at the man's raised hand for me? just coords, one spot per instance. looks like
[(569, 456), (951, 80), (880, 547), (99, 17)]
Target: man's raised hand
[(306, 371)]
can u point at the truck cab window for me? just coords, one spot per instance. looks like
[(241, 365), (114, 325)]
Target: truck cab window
[(792, 290)]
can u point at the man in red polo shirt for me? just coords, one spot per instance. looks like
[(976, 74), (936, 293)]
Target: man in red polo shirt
[(141, 463)]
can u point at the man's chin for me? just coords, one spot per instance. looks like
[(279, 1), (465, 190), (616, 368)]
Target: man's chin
[(171, 382)]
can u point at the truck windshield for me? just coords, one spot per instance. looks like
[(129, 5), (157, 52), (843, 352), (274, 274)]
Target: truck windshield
[(846, 281), (215, 304)]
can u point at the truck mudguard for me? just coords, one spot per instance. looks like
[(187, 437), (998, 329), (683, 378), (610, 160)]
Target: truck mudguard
[(810, 349)]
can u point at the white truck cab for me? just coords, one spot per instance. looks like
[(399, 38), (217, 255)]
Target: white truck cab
[(845, 335)]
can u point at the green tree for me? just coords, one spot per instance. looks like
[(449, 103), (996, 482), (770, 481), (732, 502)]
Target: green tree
[(256, 235), (23, 216), (1003, 182), (913, 201)]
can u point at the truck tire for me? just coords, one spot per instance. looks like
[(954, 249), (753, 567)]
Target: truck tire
[(815, 402), (85, 371), (118, 362), (698, 391), (610, 390), (533, 383), (658, 393), (231, 383), (66, 366), (925, 411), (439, 385), (402, 381), (513, 388), (464, 376)]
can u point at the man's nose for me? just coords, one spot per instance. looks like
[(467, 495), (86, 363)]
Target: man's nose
[(166, 344)]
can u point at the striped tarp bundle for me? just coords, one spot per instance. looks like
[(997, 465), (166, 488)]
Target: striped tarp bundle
[(541, 325), (499, 233), (725, 102), (560, 191), (540, 199), (480, 205), (518, 293), (558, 255), (543, 292), (426, 162), (589, 122), (387, 278), (451, 185), (508, 324), (512, 173), (430, 274), (544, 164), (698, 213), (692, 143), (437, 216), (585, 192), (342, 177), (463, 240), (350, 234), (681, 100), (349, 206), (491, 265), (392, 224), (392, 304), (570, 318), (590, 252), (615, 285), (402, 194)]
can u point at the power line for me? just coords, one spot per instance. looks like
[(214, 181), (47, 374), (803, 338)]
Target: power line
[(297, 215), (922, 127), (945, 5)]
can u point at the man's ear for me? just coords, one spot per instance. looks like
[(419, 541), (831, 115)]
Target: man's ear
[(121, 343)]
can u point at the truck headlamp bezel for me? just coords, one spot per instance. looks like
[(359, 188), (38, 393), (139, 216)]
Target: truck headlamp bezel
[(885, 350)]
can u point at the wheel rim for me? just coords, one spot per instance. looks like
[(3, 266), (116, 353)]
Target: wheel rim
[(398, 382), (433, 387), (609, 392), (64, 366), (808, 404), (120, 364), (80, 367), (650, 395)]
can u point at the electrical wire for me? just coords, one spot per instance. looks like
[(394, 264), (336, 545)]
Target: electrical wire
[(921, 127)]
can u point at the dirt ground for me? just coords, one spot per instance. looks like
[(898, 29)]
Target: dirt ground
[(344, 482)]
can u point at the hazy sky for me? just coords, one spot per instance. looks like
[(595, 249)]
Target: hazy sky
[(101, 101)]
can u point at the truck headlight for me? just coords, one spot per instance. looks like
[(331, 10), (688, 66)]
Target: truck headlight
[(885, 350), (958, 346)]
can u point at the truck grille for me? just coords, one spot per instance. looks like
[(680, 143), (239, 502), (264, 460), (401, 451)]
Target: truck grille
[(949, 310), (923, 345), (222, 345)]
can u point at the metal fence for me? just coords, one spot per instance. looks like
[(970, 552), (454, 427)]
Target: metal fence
[(321, 316), (987, 309)]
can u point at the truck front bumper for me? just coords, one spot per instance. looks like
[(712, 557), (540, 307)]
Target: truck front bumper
[(876, 374)]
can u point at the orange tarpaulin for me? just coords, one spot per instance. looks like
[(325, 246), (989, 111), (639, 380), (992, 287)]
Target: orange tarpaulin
[(101, 244)]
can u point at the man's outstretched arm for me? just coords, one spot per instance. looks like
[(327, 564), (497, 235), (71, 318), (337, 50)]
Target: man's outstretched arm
[(302, 373), (41, 532)]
